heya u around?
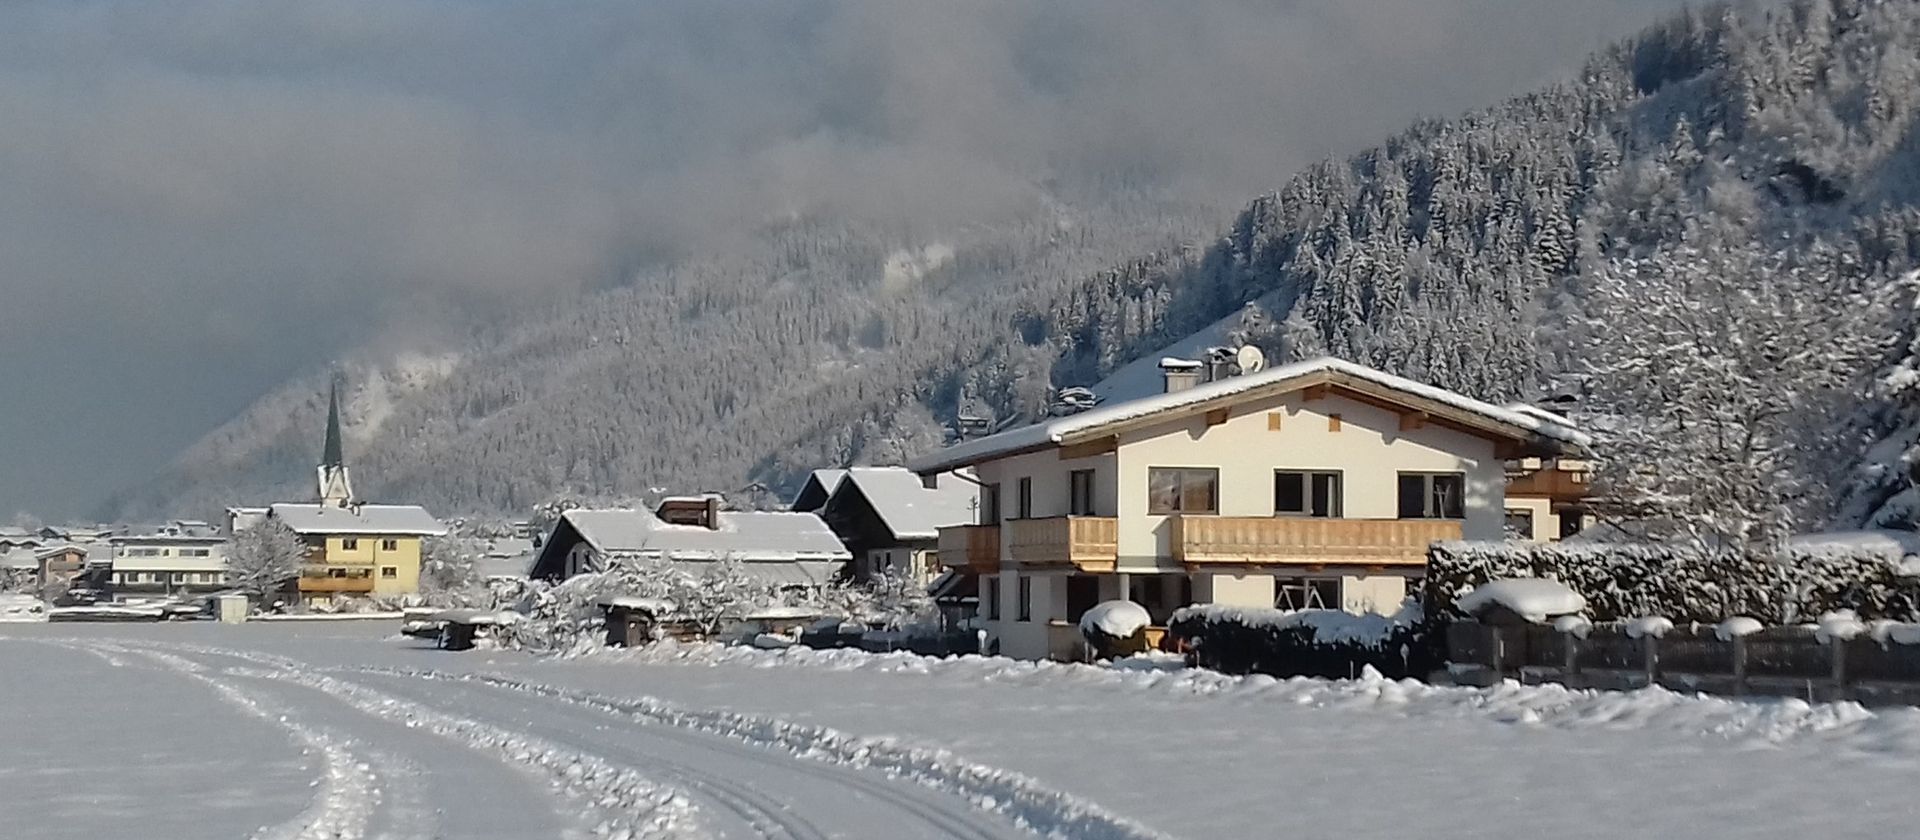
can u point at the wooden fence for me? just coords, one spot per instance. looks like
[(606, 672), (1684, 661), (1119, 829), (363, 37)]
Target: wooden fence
[(1779, 661)]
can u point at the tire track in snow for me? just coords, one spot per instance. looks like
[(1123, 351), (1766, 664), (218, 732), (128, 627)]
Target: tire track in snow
[(764, 815), (346, 784), (1024, 800), (957, 821), (627, 805)]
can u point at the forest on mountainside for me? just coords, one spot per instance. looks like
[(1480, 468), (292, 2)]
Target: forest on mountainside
[(1472, 253)]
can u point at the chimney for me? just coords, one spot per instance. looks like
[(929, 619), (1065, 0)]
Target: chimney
[(1180, 374)]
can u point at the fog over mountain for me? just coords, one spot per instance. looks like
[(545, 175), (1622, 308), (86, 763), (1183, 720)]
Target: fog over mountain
[(203, 199)]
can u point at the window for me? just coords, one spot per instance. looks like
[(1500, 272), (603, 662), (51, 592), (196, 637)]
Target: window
[(990, 586), (1571, 521), (1023, 499), (1177, 490), (1519, 524), (1024, 603), (389, 545), (349, 544), (1080, 493), (1433, 496), (389, 572), (1306, 493), (990, 505), (1308, 594)]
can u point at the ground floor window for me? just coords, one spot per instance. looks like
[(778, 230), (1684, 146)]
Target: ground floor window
[(1519, 524), (990, 588), (1307, 594), (1023, 601), (389, 572)]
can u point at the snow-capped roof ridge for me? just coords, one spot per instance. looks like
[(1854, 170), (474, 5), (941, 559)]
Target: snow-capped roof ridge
[(1053, 431), (910, 509)]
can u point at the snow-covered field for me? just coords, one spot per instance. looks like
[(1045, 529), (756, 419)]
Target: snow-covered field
[(342, 730)]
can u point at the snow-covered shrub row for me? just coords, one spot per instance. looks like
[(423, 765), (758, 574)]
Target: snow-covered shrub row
[(1626, 580), (1313, 643)]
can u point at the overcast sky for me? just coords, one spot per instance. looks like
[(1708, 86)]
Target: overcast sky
[(198, 199)]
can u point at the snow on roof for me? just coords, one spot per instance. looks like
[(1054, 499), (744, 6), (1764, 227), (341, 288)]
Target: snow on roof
[(746, 535), (656, 606), (909, 509), (358, 519), (476, 617), (1175, 363), (1051, 432), (1534, 599)]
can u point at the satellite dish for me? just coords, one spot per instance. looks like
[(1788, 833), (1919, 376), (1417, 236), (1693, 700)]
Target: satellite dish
[(1250, 359)]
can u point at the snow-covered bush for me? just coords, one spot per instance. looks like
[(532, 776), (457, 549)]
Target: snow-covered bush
[(1313, 643), (1116, 628), (885, 602), (568, 616), (1690, 584)]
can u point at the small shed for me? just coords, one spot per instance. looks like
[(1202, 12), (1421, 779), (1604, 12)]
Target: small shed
[(463, 629), (632, 620)]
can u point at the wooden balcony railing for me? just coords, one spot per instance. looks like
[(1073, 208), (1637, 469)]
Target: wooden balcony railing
[(321, 578), (1087, 543), (974, 548), (335, 584), (1238, 540)]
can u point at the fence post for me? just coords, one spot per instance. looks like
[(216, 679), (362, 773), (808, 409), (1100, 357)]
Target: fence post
[(1739, 665), (1499, 653), (1837, 648), (1570, 648), (1651, 645)]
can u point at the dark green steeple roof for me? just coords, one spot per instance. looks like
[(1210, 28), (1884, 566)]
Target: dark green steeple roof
[(333, 457)]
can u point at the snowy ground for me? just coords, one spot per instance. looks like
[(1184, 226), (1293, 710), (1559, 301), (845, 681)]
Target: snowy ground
[(340, 730)]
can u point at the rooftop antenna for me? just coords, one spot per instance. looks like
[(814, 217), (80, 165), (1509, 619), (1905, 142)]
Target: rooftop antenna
[(1250, 359)]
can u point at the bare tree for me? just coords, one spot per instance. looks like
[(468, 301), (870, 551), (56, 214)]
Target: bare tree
[(1717, 376), (264, 557), (449, 571)]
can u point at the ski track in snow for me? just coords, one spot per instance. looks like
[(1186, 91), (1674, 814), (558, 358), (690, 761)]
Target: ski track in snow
[(933, 789)]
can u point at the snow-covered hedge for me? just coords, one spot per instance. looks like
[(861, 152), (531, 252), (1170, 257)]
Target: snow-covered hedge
[(1872, 577), (1313, 643)]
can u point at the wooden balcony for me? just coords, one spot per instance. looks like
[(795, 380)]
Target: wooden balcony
[(318, 580), (1286, 540), (1086, 543), (974, 548)]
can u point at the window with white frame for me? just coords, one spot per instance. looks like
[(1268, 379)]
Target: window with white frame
[(1307, 493), (1307, 594), (1438, 495), (1080, 493), (1173, 490)]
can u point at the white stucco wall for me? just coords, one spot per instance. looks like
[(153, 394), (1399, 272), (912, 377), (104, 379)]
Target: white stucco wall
[(1369, 450)]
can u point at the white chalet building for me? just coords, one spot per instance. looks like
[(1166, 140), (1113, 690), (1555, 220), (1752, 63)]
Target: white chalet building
[(1315, 484)]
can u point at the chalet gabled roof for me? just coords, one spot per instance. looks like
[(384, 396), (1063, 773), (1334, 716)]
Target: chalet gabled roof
[(372, 520), (1485, 417), (817, 490), (910, 510)]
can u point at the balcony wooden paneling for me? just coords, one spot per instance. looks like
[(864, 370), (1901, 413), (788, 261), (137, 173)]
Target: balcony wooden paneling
[(1087, 543), (335, 584), (1286, 540), (975, 548)]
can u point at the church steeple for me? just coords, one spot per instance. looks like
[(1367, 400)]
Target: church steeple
[(333, 457), (335, 488)]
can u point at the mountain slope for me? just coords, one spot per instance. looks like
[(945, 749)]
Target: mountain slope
[(1457, 252)]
